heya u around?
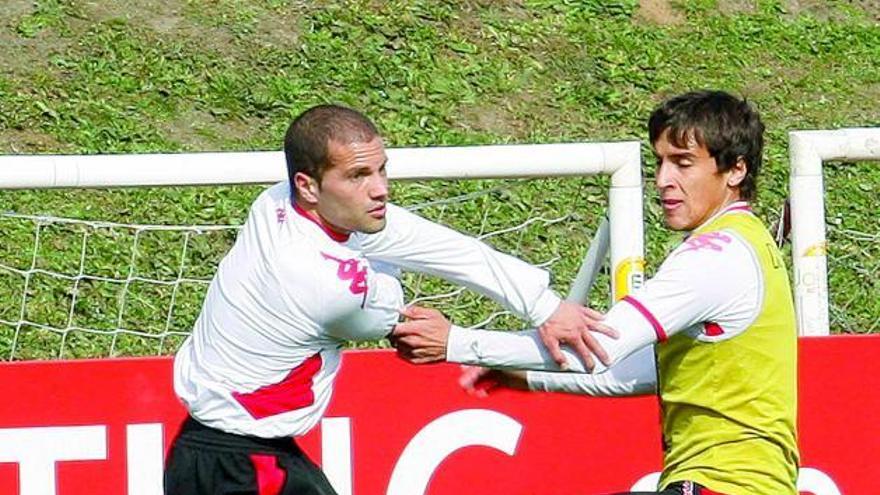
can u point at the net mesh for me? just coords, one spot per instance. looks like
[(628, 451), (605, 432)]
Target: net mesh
[(74, 288), (853, 234)]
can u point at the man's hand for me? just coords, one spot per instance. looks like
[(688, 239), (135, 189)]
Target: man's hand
[(572, 325), (480, 382), (422, 337)]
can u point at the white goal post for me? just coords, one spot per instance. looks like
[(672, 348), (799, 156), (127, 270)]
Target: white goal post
[(807, 151), (620, 160)]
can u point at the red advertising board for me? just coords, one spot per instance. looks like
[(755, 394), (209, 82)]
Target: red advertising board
[(87, 427)]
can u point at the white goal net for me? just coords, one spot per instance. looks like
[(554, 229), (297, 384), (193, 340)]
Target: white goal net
[(853, 234), (107, 286)]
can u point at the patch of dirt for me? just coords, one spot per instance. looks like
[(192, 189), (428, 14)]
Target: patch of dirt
[(754, 89), (515, 10), (22, 56), (11, 10), (660, 12), (870, 6), (168, 18), (279, 29), (819, 9), (757, 87), (159, 15), (866, 114), (198, 130), (823, 10), (495, 118), (21, 141), (164, 17), (731, 7)]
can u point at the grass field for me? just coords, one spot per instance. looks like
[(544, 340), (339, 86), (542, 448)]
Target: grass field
[(170, 75)]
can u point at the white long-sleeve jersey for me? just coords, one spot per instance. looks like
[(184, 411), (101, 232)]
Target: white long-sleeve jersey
[(710, 287), (265, 348)]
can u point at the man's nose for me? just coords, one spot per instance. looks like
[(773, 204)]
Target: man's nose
[(379, 187), (662, 175)]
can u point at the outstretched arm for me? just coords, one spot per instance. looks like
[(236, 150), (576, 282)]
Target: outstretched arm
[(414, 243), (635, 375), (429, 337), (417, 244)]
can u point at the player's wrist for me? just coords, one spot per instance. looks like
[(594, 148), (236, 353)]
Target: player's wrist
[(545, 306), (535, 381), (460, 343)]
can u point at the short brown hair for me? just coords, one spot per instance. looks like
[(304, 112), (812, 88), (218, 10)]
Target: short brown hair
[(306, 140)]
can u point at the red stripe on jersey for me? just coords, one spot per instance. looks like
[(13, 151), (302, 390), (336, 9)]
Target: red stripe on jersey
[(712, 329), (290, 394), (270, 477), (336, 236), (658, 328)]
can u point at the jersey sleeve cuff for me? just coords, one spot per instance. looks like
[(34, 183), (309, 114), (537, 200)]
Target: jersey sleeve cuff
[(461, 346), (537, 381), (649, 317), (631, 317), (546, 304)]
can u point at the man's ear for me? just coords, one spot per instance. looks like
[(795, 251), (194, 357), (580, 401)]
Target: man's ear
[(306, 188), (737, 173)]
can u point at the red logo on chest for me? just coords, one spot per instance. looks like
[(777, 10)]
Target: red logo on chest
[(350, 269)]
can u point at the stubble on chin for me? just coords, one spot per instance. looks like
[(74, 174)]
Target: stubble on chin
[(374, 227)]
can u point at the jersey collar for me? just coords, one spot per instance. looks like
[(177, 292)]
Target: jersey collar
[(333, 234), (735, 207)]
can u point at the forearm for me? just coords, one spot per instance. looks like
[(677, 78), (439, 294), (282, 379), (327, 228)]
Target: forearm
[(416, 244), (524, 350), (634, 375), (494, 349)]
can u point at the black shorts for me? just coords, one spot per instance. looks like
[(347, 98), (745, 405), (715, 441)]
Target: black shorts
[(207, 461), (678, 488)]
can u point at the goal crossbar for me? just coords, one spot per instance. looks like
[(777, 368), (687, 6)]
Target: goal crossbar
[(262, 167), (620, 160)]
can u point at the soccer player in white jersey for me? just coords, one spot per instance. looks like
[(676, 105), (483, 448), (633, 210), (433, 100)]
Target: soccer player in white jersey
[(712, 333), (314, 265)]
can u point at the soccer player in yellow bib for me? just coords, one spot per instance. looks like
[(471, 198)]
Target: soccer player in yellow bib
[(713, 332)]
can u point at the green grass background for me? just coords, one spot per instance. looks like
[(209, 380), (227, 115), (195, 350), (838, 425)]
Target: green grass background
[(205, 75)]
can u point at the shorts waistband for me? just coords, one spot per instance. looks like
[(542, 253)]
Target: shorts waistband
[(691, 488), (194, 433)]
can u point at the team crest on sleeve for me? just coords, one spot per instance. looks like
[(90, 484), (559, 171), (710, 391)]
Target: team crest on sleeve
[(352, 270), (714, 241)]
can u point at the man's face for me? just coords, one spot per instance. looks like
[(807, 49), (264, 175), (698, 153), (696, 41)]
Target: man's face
[(690, 186), (354, 188)]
